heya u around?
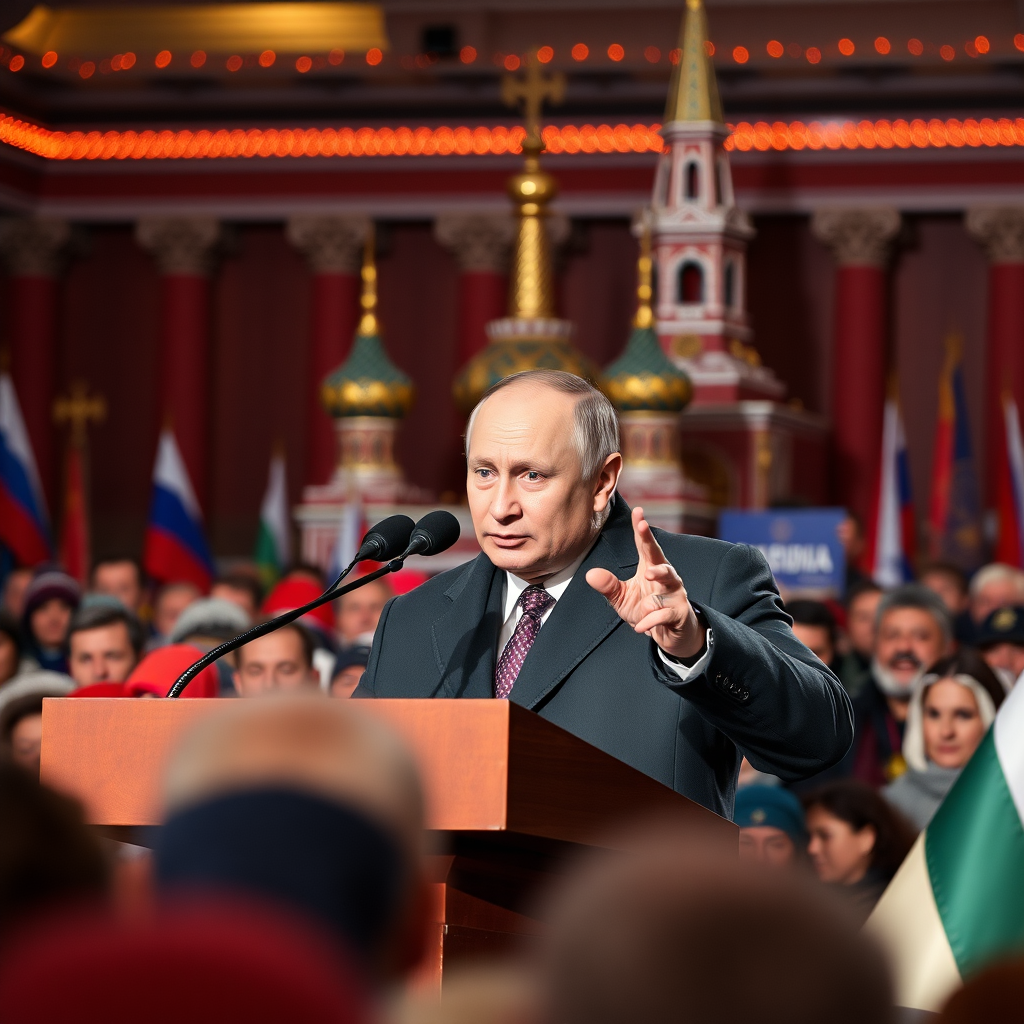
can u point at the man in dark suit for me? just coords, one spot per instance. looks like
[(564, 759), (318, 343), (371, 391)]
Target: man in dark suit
[(577, 610)]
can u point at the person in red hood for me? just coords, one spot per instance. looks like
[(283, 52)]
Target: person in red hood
[(156, 674)]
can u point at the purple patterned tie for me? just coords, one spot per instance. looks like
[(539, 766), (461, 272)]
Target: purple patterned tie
[(533, 601)]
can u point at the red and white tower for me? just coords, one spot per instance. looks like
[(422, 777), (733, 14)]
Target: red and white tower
[(701, 236)]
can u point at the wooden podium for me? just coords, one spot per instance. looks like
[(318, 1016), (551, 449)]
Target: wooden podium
[(509, 796)]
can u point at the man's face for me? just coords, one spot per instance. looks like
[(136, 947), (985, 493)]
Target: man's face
[(102, 655), (359, 612), (27, 742), (860, 622), (533, 512), (170, 604), (948, 588), (1004, 593), (1006, 659), (14, 591), (120, 580), (345, 682), (49, 622), (816, 639), (909, 640), (764, 844), (273, 662), (236, 595)]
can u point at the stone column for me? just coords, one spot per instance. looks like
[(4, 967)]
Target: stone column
[(33, 250), (1000, 232), (861, 241), (480, 243), (184, 249), (332, 247)]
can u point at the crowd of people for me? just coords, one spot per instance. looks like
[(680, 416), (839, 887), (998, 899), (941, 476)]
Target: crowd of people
[(289, 879)]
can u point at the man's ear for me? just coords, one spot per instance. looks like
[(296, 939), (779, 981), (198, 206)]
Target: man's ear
[(606, 482)]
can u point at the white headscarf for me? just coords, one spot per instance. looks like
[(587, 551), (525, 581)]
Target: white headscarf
[(913, 734)]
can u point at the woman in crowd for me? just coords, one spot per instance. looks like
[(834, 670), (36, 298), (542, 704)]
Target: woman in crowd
[(857, 841), (950, 711)]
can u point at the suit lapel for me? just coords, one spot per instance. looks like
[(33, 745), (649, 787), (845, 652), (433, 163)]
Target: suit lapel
[(465, 636), (582, 618)]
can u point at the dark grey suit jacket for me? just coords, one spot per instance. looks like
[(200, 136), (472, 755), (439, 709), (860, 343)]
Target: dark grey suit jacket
[(763, 693)]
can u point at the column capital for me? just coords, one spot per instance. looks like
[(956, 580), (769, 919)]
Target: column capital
[(34, 246), (999, 230), (480, 242), (331, 244), (857, 237), (180, 245)]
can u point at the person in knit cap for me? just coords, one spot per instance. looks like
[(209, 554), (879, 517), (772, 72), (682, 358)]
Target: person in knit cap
[(771, 823), (950, 711), (21, 715), (50, 601)]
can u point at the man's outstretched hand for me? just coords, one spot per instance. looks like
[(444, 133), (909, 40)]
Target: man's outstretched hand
[(654, 601)]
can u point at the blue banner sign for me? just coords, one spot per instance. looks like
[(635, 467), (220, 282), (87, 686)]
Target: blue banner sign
[(802, 546)]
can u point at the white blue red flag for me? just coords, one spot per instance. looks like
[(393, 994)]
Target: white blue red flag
[(24, 524), (890, 530), (1010, 542), (175, 546)]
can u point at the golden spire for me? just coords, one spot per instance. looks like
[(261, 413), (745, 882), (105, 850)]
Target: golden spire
[(531, 289), (644, 292), (368, 325), (693, 94)]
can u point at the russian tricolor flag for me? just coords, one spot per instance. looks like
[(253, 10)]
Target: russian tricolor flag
[(24, 525), (890, 533), (175, 547), (1010, 542)]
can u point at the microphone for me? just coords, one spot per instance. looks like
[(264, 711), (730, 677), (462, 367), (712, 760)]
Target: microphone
[(435, 532), (386, 540)]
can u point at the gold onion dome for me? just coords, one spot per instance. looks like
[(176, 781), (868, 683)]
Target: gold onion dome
[(643, 378), (531, 337), (368, 383)]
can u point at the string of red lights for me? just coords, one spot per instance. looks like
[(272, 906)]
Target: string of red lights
[(780, 136), (978, 46)]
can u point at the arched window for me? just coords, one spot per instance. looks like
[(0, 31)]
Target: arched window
[(691, 181), (729, 285), (719, 183), (691, 282)]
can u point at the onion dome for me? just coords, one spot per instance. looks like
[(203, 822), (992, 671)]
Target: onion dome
[(643, 378), (368, 383), (531, 337)]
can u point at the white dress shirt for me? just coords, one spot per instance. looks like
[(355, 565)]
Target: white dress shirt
[(556, 586)]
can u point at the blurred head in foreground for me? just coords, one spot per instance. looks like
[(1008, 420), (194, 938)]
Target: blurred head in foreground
[(209, 964), (305, 803), (992, 996), (48, 857), (668, 934)]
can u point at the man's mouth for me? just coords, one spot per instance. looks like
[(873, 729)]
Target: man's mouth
[(508, 540)]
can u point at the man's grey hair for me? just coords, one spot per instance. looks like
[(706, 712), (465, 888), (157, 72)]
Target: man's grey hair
[(595, 433), (913, 595), (996, 572)]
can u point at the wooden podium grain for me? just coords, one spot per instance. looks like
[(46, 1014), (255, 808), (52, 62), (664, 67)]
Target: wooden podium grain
[(509, 796)]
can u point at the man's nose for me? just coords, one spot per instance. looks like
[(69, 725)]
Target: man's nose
[(504, 503)]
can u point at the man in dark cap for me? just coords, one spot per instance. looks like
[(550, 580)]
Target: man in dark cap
[(771, 822), (1000, 641), (50, 600)]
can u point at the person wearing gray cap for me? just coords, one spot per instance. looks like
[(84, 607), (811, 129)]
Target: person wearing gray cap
[(21, 715)]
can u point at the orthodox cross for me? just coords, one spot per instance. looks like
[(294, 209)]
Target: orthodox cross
[(532, 91), (80, 409)]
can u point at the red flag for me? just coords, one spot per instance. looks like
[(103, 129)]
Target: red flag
[(74, 535)]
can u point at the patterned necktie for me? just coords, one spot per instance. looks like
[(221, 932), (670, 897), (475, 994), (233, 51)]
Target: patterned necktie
[(534, 601)]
